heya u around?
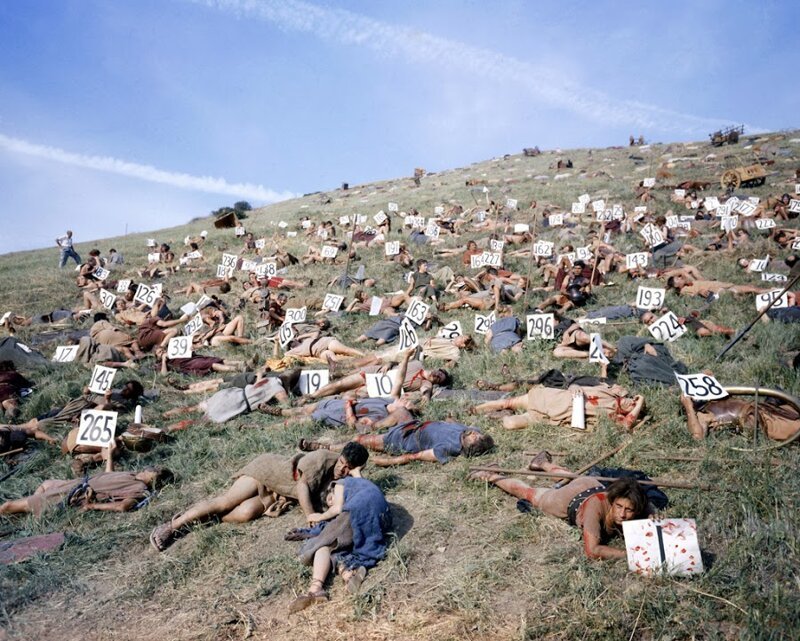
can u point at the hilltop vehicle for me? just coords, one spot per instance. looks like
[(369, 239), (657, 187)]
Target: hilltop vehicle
[(747, 176), (728, 135)]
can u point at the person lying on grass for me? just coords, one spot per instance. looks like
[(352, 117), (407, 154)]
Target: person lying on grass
[(107, 491), (122, 399), (554, 406), (269, 484), (584, 502), (350, 536)]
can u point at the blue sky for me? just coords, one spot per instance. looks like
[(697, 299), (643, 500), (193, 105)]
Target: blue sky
[(148, 113)]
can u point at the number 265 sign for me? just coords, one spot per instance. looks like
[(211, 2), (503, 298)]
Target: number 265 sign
[(97, 428)]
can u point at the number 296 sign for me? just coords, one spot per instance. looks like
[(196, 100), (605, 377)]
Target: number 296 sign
[(101, 380), (540, 326), (97, 428)]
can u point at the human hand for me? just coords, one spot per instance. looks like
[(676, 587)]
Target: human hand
[(314, 518)]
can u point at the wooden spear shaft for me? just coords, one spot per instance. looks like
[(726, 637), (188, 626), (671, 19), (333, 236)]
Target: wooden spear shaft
[(684, 485)]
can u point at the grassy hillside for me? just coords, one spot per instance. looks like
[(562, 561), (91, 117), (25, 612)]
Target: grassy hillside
[(465, 563)]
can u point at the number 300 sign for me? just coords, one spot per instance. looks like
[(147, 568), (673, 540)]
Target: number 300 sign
[(97, 428)]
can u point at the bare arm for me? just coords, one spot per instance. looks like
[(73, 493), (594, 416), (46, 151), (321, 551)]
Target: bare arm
[(333, 510), (125, 505), (403, 459), (304, 497)]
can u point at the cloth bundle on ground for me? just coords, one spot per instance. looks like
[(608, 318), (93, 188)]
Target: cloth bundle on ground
[(505, 333), (357, 536), (60, 337), (90, 351), (20, 354), (331, 411), (644, 368), (557, 379), (387, 329)]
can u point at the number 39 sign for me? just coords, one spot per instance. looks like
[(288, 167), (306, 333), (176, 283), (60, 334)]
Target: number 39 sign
[(179, 347), (97, 428)]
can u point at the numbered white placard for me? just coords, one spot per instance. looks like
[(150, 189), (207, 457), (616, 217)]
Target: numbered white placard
[(248, 265), (417, 311), (583, 253), (578, 208), (107, 299), (667, 546), (267, 270), (375, 306), (600, 320), (484, 323), (408, 338), (189, 308), (521, 228), (195, 255), (649, 182), (332, 302), (598, 205), (584, 199), (145, 295), (306, 224), (101, 380), (476, 261), (511, 203), (667, 328), (392, 248), (240, 231), (679, 193), (122, 286), (65, 353), (230, 260), (312, 380), (650, 297), (285, 334), (151, 242), (295, 315), (432, 230), (203, 302), (179, 347), (796, 243), (480, 216), (329, 251), (556, 220), (711, 203), (97, 427), (774, 278), (381, 385), (492, 259), (193, 326), (672, 222), (617, 212), (543, 248), (451, 331), (392, 207), (747, 208), (291, 234), (596, 353), (765, 223), (701, 387), (641, 209), (283, 224), (652, 235), (763, 300), (261, 243), (729, 223), (100, 273), (604, 216), (344, 220), (438, 210), (496, 245), (638, 259), (224, 272), (758, 264), (361, 219), (541, 326), (153, 258)]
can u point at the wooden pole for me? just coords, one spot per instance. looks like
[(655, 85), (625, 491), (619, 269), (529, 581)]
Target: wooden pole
[(530, 261), (599, 459), (684, 485)]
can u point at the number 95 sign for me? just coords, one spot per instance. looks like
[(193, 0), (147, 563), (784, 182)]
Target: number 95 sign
[(97, 428)]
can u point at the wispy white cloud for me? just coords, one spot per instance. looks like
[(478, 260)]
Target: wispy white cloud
[(546, 85), (208, 184)]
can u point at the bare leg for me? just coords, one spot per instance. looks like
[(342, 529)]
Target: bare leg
[(243, 488), (696, 429), (515, 403)]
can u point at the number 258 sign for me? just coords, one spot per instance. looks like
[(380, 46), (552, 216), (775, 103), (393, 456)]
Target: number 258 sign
[(97, 428)]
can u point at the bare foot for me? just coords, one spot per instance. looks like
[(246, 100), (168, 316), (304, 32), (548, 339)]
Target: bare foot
[(538, 462)]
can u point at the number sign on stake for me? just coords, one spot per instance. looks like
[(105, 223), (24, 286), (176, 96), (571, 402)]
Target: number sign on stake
[(747, 208), (492, 259), (375, 306), (312, 380), (652, 235), (380, 385), (97, 428), (145, 295), (729, 223), (540, 326), (639, 259), (521, 228), (65, 353), (596, 353), (476, 261), (649, 182), (496, 245), (667, 328), (230, 260), (451, 331), (107, 298), (598, 205), (179, 347), (417, 311), (101, 379), (511, 203), (758, 264), (701, 387), (267, 270), (285, 334), (556, 220), (774, 278), (432, 230), (100, 273), (332, 302), (153, 258), (484, 323), (224, 272), (408, 336), (578, 208), (543, 248), (122, 286), (329, 251), (261, 243), (763, 300), (583, 253), (650, 297), (295, 315), (151, 242), (765, 223), (193, 325), (392, 248), (392, 207)]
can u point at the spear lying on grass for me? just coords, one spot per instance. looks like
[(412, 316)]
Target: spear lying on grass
[(683, 485)]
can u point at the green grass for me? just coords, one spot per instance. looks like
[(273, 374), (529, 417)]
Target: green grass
[(470, 566)]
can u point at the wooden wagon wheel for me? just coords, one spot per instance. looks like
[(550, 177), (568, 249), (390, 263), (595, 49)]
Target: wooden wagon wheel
[(730, 180)]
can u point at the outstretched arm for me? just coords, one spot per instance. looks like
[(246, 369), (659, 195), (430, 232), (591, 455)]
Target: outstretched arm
[(403, 459)]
